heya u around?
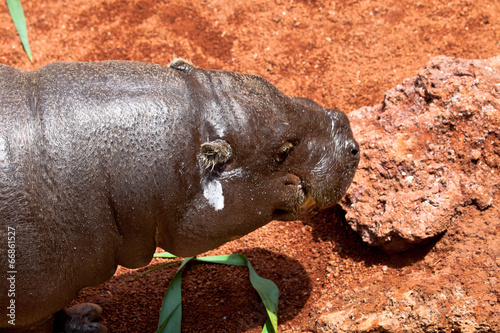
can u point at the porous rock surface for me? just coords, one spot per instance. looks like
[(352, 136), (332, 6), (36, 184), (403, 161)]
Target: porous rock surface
[(429, 149), (430, 167)]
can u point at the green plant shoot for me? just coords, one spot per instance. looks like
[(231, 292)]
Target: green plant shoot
[(171, 311), (17, 15)]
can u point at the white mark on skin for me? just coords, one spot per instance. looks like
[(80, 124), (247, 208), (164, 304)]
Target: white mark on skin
[(212, 191), (219, 129), (3, 153), (215, 118), (239, 114), (238, 172)]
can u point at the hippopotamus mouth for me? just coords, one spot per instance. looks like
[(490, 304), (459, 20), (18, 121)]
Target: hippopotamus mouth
[(298, 200), (305, 190), (307, 204)]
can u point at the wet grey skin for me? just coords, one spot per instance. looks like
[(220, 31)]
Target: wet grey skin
[(102, 162)]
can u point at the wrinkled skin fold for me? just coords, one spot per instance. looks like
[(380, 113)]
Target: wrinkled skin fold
[(102, 162)]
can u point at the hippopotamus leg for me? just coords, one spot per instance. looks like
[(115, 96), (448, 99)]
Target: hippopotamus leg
[(80, 318)]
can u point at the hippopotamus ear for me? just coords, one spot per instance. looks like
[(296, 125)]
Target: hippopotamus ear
[(215, 153), (182, 65)]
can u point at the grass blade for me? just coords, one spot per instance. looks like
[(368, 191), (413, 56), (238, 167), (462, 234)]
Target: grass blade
[(269, 293), (269, 327), (164, 255), (267, 289), (161, 328), (171, 310), (17, 15), (228, 259)]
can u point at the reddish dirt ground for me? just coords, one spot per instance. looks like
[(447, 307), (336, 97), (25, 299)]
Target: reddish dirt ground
[(342, 54)]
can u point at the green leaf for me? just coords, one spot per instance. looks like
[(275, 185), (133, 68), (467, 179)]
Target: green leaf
[(171, 310), (161, 328), (267, 289), (228, 259), (17, 14), (269, 327), (269, 293), (164, 255)]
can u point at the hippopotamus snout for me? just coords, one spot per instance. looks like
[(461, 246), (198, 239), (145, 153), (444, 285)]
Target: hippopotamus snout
[(334, 161), (343, 162), (343, 136), (343, 140)]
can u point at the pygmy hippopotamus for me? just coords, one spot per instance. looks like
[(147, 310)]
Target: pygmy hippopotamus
[(102, 162)]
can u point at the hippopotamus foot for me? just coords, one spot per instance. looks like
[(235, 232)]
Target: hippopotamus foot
[(80, 318)]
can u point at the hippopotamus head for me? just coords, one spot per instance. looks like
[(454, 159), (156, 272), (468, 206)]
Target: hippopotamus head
[(262, 156)]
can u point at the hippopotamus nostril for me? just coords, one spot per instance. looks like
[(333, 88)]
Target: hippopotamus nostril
[(355, 151), (292, 179), (354, 147)]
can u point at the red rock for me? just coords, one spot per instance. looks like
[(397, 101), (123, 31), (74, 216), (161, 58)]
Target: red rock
[(431, 147)]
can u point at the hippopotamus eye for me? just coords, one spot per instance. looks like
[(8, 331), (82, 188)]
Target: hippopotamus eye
[(283, 152)]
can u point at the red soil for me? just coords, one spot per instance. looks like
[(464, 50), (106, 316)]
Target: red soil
[(342, 54)]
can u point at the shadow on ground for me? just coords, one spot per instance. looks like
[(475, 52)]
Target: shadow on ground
[(330, 225), (223, 291)]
